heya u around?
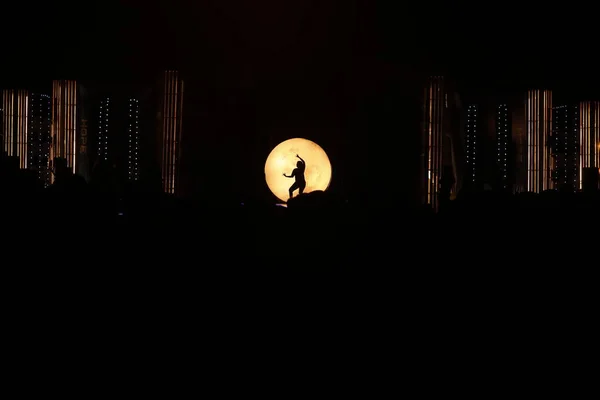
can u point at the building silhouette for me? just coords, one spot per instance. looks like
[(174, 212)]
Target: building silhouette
[(538, 113), (170, 130)]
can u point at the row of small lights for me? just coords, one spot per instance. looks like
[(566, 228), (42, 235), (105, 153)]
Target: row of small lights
[(566, 137), (103, 129), (472, 133), (502, 138), (36, 136), (134, 139)]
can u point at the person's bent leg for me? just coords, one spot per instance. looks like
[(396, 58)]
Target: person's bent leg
[(292, 188)]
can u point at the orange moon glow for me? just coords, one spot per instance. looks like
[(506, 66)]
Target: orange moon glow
[(282, 160)]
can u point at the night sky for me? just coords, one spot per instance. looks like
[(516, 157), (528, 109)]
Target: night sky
[(342, 72), (244, 43)]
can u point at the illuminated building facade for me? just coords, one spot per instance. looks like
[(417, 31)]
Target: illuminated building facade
[(502, 128), (538, 112), (133, 143), (170, 130), (589, 137), (565, 146), (15, 106), (473, 143), (39, 135)]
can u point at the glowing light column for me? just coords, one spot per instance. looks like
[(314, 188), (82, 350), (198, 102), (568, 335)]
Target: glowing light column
[(15, 122), (8, 122), (64, 122), (433, 124), (589, 137), (539, 127), (171, 130)]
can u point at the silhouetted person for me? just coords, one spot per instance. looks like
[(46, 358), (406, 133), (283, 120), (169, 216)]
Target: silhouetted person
[(297, 173)]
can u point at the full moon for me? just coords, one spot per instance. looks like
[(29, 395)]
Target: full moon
[(284, 159)]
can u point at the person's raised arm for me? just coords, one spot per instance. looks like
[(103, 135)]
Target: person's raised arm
[(301, 159)]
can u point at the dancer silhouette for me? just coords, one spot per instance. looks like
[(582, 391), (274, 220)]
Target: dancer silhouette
[(297, 173)]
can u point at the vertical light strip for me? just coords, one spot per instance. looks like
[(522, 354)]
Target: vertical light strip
[(11, 115), (589, 137), (4, 138), (529, 157), (168, 135), (53, 127), (19, 126), (179, 148), (164, 132), (539, 127), (171, 130), (15, 121), (434, 121), (429, 143), (583, 135), (75, 123), (581, 142), (26, 133), (596, 144), (137, 139), (64, 123)]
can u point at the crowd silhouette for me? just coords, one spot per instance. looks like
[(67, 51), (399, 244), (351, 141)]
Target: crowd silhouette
[(106, 223)]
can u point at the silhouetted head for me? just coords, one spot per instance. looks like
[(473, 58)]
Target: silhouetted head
[(299, 164)]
